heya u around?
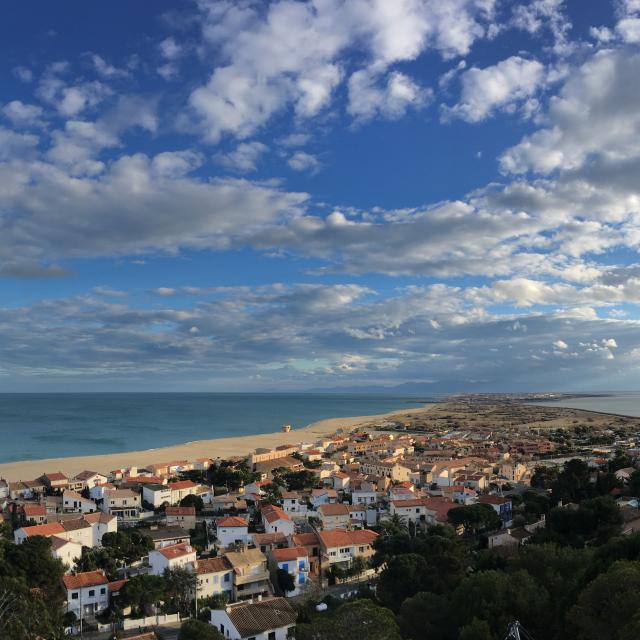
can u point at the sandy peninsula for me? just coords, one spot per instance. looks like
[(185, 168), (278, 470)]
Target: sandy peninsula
[(214, 448)]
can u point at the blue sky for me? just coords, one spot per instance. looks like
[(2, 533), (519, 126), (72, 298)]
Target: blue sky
[(217, 195)]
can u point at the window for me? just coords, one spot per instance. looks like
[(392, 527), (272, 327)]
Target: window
[(74, 596), (272, 635), (285, 566), (103, 591), (92, 592), (227, 577)]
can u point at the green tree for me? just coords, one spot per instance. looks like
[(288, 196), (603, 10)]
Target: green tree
[(193, 501), (198, 630), (609, 607), (358, 619), (425, 616), (403, 577), (476, 630), (634, 484), (142, 591), (128, 544), (475, 518), (285, 581), (180, 585)]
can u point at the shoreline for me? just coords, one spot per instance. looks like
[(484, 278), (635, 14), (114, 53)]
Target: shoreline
[(224, 447)]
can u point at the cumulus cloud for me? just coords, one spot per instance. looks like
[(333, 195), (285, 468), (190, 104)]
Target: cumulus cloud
[(501, 87), (244, 157), (301, 161), (291, 55)]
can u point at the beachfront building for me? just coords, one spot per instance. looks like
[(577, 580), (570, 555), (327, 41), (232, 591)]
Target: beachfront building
[(182, 489), (73, 502), (157, 495), (232, 530), (172, 557), (86, 593), (122, 503), (86, 480), (271, 619)]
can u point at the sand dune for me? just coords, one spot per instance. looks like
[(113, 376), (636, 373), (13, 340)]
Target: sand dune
[(215, 448)]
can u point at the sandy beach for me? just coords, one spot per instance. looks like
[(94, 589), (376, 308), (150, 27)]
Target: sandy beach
[(214, 448)]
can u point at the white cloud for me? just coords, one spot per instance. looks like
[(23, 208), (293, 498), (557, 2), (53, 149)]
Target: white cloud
[(244, 157), (21, 114), (373, 96), (106, 70), (301, 161), (500, 87), (292, 55), (560, 344), (23, 73)]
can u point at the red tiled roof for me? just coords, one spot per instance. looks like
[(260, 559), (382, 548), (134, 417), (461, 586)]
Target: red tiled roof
[(233, 521), (493, 499), (116, 585), (213, 565), (180, 511), (333, 509), (86, 579), (343, 538), (176, 550), (34, 510), (55, 476), (182, 484), (272, 513), (44, 529), (290, 553), (305, 539)]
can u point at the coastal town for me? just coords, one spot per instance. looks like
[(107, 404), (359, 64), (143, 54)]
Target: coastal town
[(261, 546)]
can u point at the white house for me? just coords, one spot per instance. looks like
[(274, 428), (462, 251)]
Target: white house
[(156, 494), (171, 557), (364, 496), (73, 502), (86, 530), (65, 550), (410, 510), (295, 561), (87, 479), (323, 496), (334, 516), (182, 489), (122, 503), (232, 530), (270, 619), (339, 546), (276, 520), (215, 575), (184, 517), (293, 504), (87, 593)]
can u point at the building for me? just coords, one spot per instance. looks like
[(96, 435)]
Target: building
[(157, 495), (501, 505), (65, 550), (334, 516), (33, 513), (86, 530), (87, 593), (232, 530), (269, 619), (215, 576), (250, 574), (122, 503), (414, 510), (184, 517), (54, 481), (171, 557), (295, 561), (182, 489), (73, 502), (341, 547), (86, 480), (168, 536), (293, 504), (276, 520)]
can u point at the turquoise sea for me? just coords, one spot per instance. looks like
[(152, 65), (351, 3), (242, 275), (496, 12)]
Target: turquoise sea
[(56, 425)]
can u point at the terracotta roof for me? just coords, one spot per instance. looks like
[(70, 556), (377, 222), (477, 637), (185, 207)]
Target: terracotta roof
[(290, 553), (182, 484), (441, 506), (116, 585), (305, 539), (277, 537), (271, 513), (414, 502), (85, 475), (74, 525), (243, 558), (176, 550), (213, 565), (86, 579), (44, 529), (58, 543), (333, 509), (180, 511), (493, 499), (102, 518), (34, 510), (54, 477), (232, 521), (343, 538), (74, 495), (142, 480), (259, 617)]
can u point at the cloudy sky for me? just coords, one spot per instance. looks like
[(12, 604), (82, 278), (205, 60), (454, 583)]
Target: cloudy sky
[(240, 194)]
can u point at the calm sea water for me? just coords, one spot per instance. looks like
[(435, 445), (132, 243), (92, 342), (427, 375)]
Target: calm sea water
[(43, 425), (622, 403)]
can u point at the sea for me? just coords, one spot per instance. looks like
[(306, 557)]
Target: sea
[(57, 425), (624, 403)]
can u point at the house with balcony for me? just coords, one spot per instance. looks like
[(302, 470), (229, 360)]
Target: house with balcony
[(215, 576), (175, 556), (232, 530), (293, 560), (341, 546), (87, 593), (250, 574)]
